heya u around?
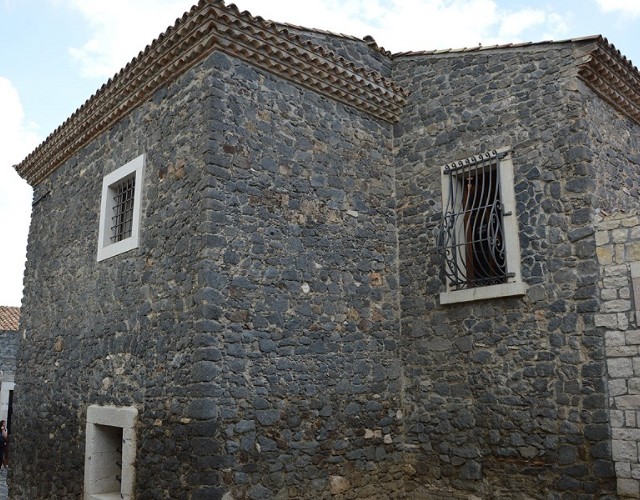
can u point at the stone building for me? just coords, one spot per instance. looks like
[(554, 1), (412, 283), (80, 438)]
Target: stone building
[(9, 344), (271, 262)]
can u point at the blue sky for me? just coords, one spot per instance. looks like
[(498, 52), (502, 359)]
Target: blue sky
[(54, 54)]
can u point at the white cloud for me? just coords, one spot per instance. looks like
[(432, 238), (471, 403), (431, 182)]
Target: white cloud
[(514, 24), (555, 27), (17, 139), (120, 30), (414, 25), (624, 7)]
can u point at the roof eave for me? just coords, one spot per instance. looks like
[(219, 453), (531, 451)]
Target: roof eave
[(613, 77), (207, 27)]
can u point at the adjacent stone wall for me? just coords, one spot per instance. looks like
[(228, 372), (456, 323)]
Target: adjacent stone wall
[(9, 344), (618, 239), (616, 144), (504, 395)]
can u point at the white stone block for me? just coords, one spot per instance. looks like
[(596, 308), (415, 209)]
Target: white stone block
[(623, 320), (614, 338), (602, 238), (620, 305), (631, 402), (609, 294), (633, 386), (628, 488), (628, 351), (616, 272), (620, 367), (606, 320), (618, 387), (632, 337), (617, 418), (624, 451), (629, 434), (620, 235), (623, 469), (620, 250)]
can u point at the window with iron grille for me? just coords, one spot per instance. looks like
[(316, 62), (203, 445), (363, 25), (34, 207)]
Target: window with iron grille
[(122, 218), (478, 235), (120, 209)]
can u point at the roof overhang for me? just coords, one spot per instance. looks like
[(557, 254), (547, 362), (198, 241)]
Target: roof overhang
[(613, 77), (207, 27)]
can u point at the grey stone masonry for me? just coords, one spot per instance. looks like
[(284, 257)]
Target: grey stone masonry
[(277, 330), (255, 325), (618, 250), (508, 394)]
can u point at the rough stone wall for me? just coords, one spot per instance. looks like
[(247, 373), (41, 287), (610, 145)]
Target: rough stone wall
[(503, 395), (116, 332), (255, 326), (299, 329)]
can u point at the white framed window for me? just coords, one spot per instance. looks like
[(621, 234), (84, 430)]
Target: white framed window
[(110, 453), (120, 209), (479, 240)]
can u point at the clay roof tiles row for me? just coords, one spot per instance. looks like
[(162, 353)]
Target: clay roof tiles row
[(209, 26), (613, 77), (9, 318)]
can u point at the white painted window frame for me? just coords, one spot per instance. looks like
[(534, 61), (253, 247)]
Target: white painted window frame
[(514, 286), (106, 248), (95, 484)]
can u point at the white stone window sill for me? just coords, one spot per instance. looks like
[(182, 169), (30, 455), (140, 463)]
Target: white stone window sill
[(483, 293)]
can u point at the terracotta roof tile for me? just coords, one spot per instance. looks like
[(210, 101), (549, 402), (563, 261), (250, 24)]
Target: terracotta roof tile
[(613, 77), (209, 26), (9, 318)]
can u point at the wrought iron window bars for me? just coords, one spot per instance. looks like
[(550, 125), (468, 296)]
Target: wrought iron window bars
[(122, 219), (472, 233)]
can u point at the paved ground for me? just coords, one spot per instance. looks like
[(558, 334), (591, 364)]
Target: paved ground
[(4, 493)]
